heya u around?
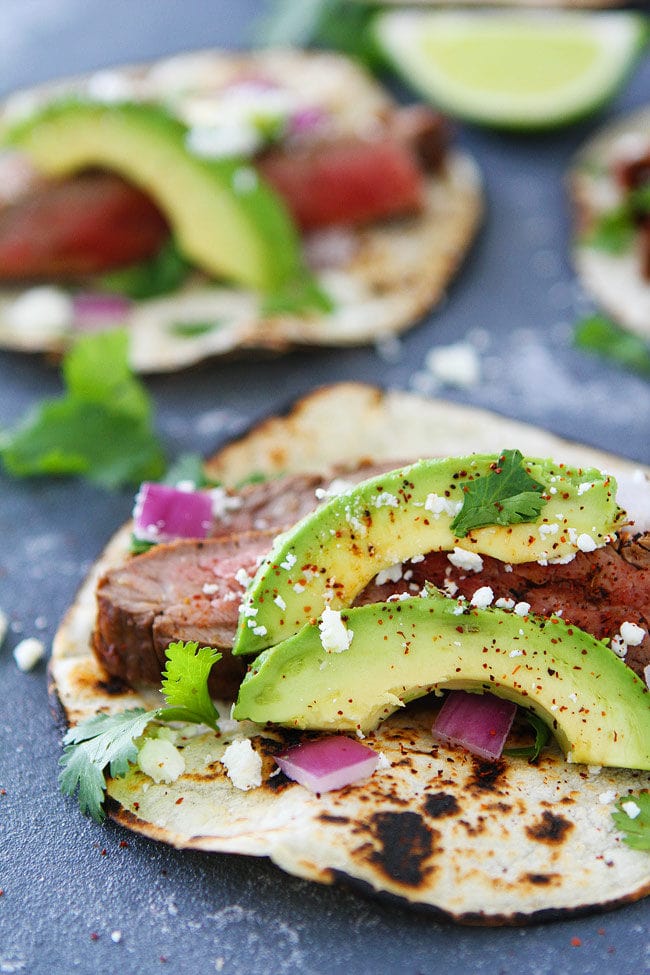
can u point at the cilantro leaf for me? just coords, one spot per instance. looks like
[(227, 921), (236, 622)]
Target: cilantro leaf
[(158, 276), (637, 829), (192, 330), (139, 545), (101, 741), (542, 735), (96, 370), (297, 296), (613, 231), (600, 335), (100, 429), (109, 740), (185, 684), (507, 496)]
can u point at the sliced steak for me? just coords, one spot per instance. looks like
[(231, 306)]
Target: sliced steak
[(283, 501), (185, 590), (70, 228), (597, 591)]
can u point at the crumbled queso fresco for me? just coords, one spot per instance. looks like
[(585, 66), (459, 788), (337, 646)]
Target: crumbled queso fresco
[(483, 597), (334, 634), (631, 809), (463, 559), (629, 635), (243, 764), (28, 653), (161, 760)]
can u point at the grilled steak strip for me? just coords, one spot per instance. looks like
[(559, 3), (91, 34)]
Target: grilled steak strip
[(185, 590), (597, 591)]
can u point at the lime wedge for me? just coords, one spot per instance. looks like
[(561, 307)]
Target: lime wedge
[(510, 69)]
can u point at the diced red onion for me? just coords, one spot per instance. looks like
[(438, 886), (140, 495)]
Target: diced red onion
[(93, 312), (328, 763), (162, 513), (478, 722), (305, 120)]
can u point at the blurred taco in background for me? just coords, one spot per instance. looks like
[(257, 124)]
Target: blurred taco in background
[(217, 201)]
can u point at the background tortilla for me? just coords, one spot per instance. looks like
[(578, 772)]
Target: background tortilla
[(392, 273), (613, 280), (483, 843)]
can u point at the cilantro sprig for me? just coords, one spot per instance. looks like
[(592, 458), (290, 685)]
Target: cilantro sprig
[(614, 230), (542, 736), (161, 274), (601, 336), (506, 496), (637, 827), (101, 428), (109, 741)]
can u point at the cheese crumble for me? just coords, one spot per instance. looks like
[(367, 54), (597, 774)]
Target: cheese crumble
[(243, 765), (631, 809), (632, 634), (161, 760), (28, 653), (463, 559), (42, 309), (586, 543), (338, 486), (334, 635), (392, 574), (438, 505), (483, 597)]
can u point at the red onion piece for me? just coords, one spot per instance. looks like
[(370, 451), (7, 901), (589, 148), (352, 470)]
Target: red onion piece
[(93, 312), (162, 513), (305, 120), (478, 722), (328, 763)]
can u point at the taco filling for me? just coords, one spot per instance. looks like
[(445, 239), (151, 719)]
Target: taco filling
[(191, 588)]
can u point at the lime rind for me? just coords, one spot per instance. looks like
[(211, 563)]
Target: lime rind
[(522, 71)]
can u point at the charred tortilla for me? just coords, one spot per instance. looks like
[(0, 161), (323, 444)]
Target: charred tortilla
[(501, 842), (613, 276), (382, 277)]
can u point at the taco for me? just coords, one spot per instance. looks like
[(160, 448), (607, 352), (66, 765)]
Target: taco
[(482, 837), (610, 187), (218, 201)]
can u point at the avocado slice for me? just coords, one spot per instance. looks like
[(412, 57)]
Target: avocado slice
[(328, 557), (225, 220), (598, 709)]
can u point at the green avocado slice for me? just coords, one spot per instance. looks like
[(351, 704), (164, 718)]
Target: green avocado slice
[(328, 557), (598, 709), (224, 219)]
